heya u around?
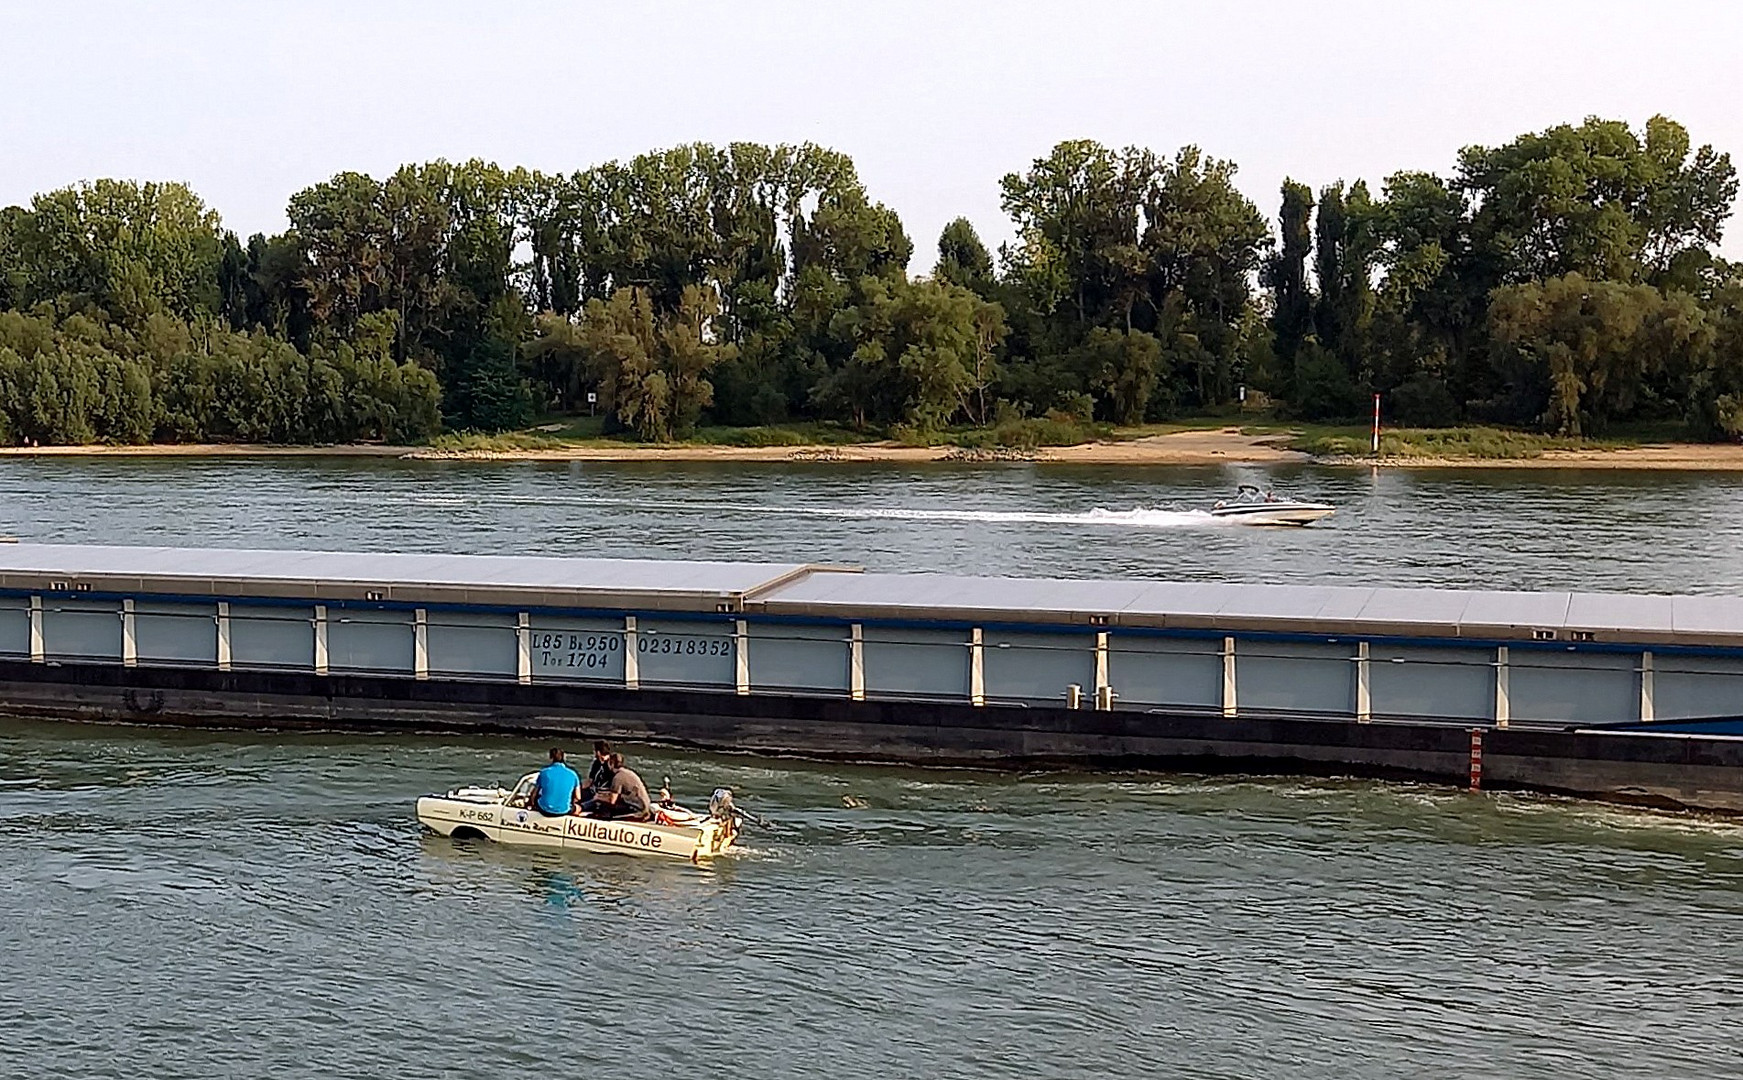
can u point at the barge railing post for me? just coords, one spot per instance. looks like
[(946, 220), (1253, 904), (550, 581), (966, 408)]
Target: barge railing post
[(1103, 689), (1229, 676), (523, 648), (741, 657), (1648, 712), (856, 662), (223, 623), (129, 639), (976, 668), (1475, 776), (420, 644), (1503, 703), (37, 655), (1364, 700), (632, 668), (320, 624)]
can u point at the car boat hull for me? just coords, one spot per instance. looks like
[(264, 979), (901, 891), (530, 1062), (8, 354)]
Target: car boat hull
[(1277, 513), (491, 814), (1251, 506)]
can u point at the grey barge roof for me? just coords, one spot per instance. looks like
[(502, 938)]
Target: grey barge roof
[(812, 590), (1301, 609), (333, 575)]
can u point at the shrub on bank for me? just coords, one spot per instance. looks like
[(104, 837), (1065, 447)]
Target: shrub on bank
[(760, 436), (1471, 442), (1031, 432), (77, 381), (483, 442)]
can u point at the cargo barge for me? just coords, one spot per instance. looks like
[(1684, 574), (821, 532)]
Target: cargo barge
[(1626, 697)]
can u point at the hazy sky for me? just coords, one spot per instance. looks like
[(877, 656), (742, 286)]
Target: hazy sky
[(249, 102)]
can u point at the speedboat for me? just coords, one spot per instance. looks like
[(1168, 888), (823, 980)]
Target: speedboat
[(507, 816), (1251, 506)]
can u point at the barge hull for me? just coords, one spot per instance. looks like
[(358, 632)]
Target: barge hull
[(1668, 770)]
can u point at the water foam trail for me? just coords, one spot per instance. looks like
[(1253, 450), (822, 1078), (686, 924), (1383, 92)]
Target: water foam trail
[(1140, 517)]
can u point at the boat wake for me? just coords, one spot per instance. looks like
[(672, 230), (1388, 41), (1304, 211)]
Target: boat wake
[(1140, 517), (1136, 518)]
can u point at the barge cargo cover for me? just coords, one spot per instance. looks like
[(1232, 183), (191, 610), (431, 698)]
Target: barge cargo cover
[(1622, 696)]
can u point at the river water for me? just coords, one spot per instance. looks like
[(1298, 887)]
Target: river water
[(1593, 529), (195, 904)]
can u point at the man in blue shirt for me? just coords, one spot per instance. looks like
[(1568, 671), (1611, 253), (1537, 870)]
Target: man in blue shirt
[(554, 790)]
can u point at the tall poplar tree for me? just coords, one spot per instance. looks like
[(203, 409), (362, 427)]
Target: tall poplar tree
[(1286, 273)]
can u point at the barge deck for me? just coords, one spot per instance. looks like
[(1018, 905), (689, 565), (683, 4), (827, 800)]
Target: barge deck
[(1627, 697)]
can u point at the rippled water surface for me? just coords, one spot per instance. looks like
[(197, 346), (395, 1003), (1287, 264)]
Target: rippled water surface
[(201, 905), (214, 904), (1592, 529)]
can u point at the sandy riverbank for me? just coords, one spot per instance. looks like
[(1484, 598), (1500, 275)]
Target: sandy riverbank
[(1208, 447), (207, 450), (1178, 448), (1683, 457)]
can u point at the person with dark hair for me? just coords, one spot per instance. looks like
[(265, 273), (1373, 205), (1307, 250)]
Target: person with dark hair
[(598, 774), (625, 797), (556, 789)]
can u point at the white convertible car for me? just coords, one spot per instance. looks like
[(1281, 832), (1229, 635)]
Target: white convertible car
[(493, 813)]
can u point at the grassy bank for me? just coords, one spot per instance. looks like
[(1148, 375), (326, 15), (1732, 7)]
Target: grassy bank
[(1206, 439), (1326, 441), (581, 432), (1202, 441), (1028, 433), (1459, 443)]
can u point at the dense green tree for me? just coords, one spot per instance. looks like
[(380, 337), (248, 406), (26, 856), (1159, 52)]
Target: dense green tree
[(556, 358), (484, 319), (1568, 278), (690, 353), (48, 397), (1076, 211), (1345, 244), (275, 289), (13, 284), (125, 248), (1715, 390), (779, 234), (486, 389), (1202, 243), (652, 372), (343, 230), (963, 260), (1593, 349), (916, 356), (1128, 241), (1323, 387), (1286, 273), (849, 237), (81, 380), (1427, 309), (1124, 367), (1598, 200), (946, 335)]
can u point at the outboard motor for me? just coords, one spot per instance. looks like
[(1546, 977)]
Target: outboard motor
[(720, 805)]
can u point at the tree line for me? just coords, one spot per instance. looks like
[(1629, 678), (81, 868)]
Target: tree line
[(1566, 280)]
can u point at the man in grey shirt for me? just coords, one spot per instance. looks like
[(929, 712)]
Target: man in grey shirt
[(624, 796)]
